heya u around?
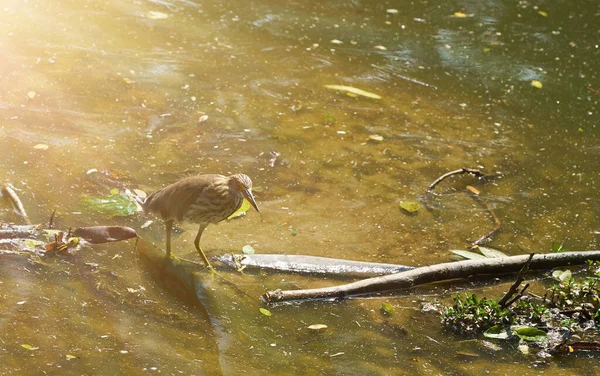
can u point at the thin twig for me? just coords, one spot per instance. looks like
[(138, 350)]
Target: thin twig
[(515, 286), (518, 296), (497, 223), (51, 221), (463, 170)]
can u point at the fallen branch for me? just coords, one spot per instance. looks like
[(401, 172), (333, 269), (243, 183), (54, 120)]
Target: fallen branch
[(436, 273)]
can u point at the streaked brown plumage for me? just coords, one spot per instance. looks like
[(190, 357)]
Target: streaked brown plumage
[(201, 199)]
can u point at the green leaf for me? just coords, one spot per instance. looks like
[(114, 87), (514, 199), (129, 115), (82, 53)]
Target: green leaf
[(531, 334), (29, 347), (558, 247), (386, 308), (468, 255), (265, 312), (497, 332), (410, 206), (112, 205), (491, 252), (241, 211), (114, 191)]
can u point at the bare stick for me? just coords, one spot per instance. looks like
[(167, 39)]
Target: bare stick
[(437, 273), (16, 203), (463, 170), (518, 296), (515, 286), (497, 223), (51, 221)]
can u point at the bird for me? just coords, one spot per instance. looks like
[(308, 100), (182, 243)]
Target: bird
[(201, 199)]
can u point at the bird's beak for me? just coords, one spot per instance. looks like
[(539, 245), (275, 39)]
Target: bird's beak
[(250, 197)]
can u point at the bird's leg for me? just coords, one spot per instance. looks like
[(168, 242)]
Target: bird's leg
[(197, 244), (169, 227)]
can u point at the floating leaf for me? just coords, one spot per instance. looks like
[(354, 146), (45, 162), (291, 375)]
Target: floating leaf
[(467, 354), (536, 84), (317, 326), (203, 118), (386, 308), (468, 255), (29, 347), (410, 206), (542, 13), (562, 275), (114, 191), (376, 137), (265, 312), (336, 41), (32, 94), (69, 356), (473, 190), (486, 49), (153, 15), (354, 90), (491, 252), (113, 205), (248, 250), (380, 47), (241, 211), (460, 15), (41, 147), (531, 334), (496, 331), (392, 11)]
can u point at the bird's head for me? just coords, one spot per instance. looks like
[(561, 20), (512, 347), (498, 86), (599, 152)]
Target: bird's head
[(243, 184)]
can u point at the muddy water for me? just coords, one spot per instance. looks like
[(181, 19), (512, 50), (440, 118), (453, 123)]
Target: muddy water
[(154, 91)]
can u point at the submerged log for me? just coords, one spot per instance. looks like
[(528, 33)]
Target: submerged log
[(436, 273), (311, 264)]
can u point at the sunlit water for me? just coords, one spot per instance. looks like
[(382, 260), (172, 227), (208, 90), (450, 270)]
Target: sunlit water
[(153, 91)]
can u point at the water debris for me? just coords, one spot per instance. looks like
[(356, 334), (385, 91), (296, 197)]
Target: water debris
[(153, 15), (274, 156), (376, 137), (104, 234), (29, 347), (336, 41), (459, 15), (41, 147), (353, 90), (32, 94), (392, 11), (12, 197), (410, 206), (317, 326), (203, 118), (380, 47), (536, 84), (248, 250), (542, 13), (265, 312)]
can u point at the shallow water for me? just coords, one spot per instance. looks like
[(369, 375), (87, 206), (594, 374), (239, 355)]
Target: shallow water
[(108, 85)]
